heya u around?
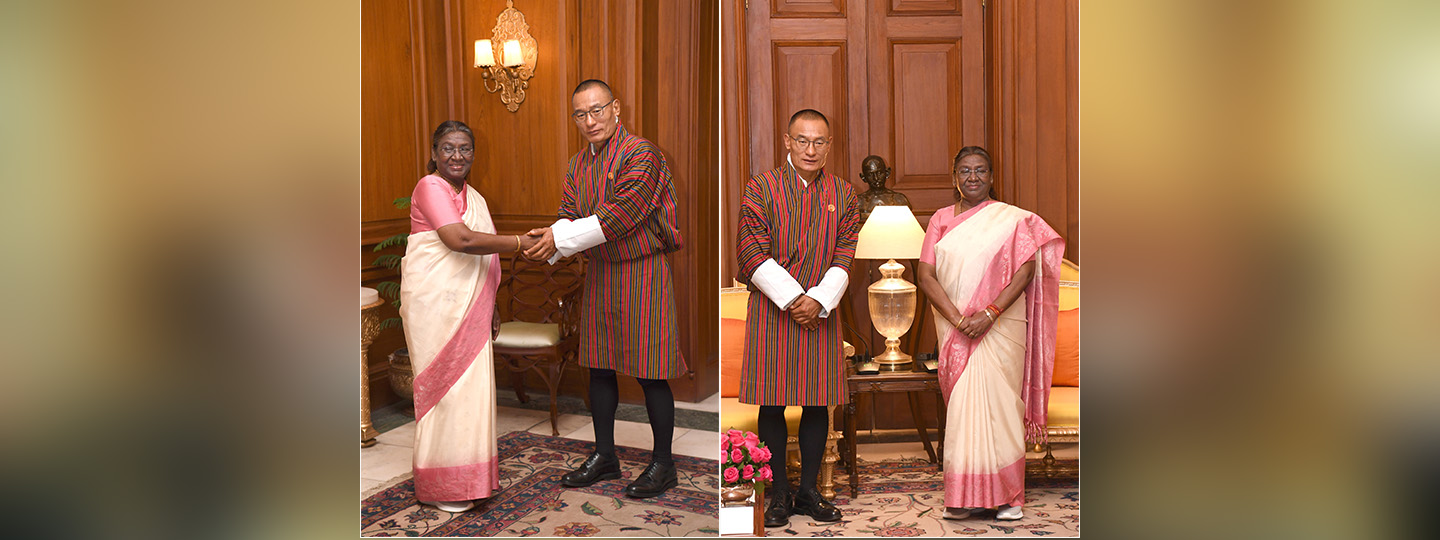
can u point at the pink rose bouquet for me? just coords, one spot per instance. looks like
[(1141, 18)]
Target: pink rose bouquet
[(743, 459)]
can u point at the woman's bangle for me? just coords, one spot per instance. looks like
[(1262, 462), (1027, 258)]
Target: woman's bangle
[(962, 321), (517, 243)]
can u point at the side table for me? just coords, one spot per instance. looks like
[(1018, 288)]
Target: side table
[(885, 382)]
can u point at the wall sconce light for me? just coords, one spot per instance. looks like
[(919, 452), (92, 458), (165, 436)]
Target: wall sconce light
[(518, 53)]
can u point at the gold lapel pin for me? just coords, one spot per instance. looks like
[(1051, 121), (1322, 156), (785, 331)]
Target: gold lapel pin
[(832, 208)]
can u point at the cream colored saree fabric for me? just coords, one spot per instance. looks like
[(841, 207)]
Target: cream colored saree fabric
[(995, 386), (447, 303)]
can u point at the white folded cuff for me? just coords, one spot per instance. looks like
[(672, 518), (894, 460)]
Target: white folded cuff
[(555, 232), (777, 283), (830, 289), (572, 237)]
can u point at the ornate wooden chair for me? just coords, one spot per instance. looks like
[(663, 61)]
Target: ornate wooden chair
[(539, 303)]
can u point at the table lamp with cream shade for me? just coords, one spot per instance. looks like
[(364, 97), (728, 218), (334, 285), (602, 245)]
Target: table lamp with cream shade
[(891, 233)]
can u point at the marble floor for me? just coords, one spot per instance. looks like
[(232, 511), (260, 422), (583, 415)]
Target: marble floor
[(390, 457)]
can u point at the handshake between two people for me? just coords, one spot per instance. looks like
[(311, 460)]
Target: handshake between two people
[(538, 244)]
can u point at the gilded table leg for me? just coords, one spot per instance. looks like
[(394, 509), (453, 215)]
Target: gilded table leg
[(827, 463), (369, 327)]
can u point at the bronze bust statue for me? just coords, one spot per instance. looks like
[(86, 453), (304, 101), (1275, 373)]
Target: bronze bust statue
[(874, 172)]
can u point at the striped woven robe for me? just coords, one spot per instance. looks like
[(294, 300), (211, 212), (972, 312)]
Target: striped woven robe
[(806, 230), (627, 310)]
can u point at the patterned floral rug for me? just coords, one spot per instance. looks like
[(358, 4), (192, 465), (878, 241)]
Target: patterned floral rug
[(533, 503), (905, 498)]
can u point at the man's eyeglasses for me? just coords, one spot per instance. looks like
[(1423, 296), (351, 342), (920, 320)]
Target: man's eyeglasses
[(450, 151), (805, 144), (594, 112)]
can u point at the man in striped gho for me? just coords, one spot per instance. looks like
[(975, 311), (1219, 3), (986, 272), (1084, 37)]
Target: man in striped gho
[(618, 208), (798, 226)]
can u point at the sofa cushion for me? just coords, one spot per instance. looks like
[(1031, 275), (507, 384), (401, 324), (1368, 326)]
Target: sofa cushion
[(527, 335), (1067, 349), (1069, 285), (1064, 409), (734, 303)]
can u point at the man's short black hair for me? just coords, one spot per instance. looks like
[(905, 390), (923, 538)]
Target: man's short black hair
[(807, 114), (592, 83)]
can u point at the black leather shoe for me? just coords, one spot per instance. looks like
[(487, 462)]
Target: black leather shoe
[(777, 509), (657, 478), (809, 502), (595, 469)]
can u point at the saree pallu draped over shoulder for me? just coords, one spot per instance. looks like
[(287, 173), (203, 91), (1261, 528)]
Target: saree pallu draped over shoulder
[(996, 387), (447, 302)]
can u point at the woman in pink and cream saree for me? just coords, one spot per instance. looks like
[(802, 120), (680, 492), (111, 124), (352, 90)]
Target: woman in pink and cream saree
[(448, 281), (991, 272)]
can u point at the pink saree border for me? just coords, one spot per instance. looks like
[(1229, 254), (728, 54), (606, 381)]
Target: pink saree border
[(458, 483), (986, 490)]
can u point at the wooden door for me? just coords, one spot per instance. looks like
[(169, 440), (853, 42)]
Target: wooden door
[(926, 97)]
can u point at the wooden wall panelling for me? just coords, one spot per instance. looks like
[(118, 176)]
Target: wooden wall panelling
[(807, 8), (388, 97), (811, 75), (736, 150), (931, 101), (1072, 129), (794, 62), (681, 104), (520, 156), (1033, 117), (924, 7), (391, 153)]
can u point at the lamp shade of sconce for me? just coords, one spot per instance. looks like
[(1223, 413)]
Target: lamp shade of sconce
[(512, 54), (484, 53)]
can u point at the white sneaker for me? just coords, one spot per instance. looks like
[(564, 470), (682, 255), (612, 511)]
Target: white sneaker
[(453, 507), (956, 513), (1009, 513)]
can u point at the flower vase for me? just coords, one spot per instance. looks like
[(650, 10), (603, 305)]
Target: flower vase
[(736, 495)]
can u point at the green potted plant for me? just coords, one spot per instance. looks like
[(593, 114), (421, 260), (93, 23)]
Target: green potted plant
[(402, 374)]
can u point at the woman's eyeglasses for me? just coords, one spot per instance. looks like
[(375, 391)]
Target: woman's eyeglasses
[(962, 173), (450, 151)]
